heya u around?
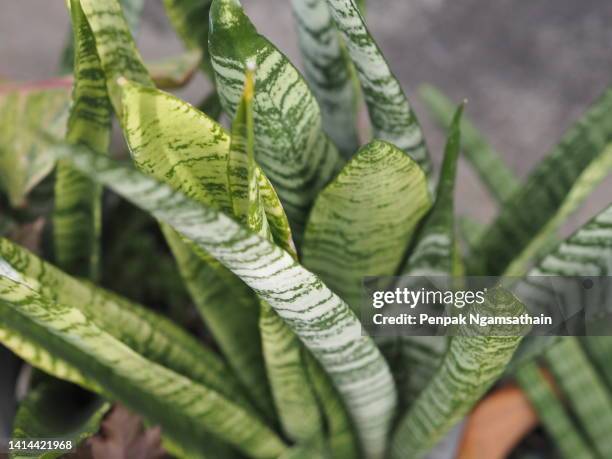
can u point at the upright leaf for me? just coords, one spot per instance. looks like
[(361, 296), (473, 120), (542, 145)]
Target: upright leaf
[(294, 398), (187, 411), (321, 319), (77, 213), (362, 222), (146, 332), (390, 113), (554, 189), (585, 391), (434, 252), (290, 144), (174, 142), (27, 113), (328, 72), (551, 412), (497, 177), (475, 359)]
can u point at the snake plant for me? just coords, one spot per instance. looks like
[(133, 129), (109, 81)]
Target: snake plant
[(271, 220)]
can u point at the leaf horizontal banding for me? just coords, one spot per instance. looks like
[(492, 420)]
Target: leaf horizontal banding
[(362, 222), (188, 412), (321, 319), (390, 113), (290, 145)]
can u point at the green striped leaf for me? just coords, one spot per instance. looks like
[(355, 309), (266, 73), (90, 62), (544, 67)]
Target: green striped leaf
[(497, 177), (472, 364), (551, 412), (187, 411), (435, 246), (328, 72), (27, 112), (175, 143), (362, 222), (290, 145), (555, 189), (586, 393), (190, 20), (115, 46), (599, 349), (322, 320), (293, 396), (77, 214), (390, 113), (146, 332), (54, 409)]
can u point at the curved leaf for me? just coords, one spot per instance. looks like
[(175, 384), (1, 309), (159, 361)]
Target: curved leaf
[(293, 396), (555, 189), (290, 144), (472, 364), (362, 222), (497, 177), (390, 114), (327, 70), (77, 214), (323, 321), (188, 412), (144, 331)]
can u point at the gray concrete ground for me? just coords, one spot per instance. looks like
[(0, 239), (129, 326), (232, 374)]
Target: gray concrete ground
[(528, 68)]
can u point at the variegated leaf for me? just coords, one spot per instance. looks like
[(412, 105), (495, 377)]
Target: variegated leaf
[(552, 413), (290, 145), (77, 214), (390, 113), (174, 142), (322, 320), (187, 411), (293, 396), (472, 364), (328, 72), (146, 332), (554, 189), (362, 222)]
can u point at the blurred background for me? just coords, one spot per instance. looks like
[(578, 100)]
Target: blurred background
[(528, 69)]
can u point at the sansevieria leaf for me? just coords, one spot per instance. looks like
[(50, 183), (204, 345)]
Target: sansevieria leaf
[(552, 413), (553, 190), (390, 113), (328, 72), (286, 369), (77, 213), (187, 411), (362, 222), (146, 332), (321, 319), (434, 252), (172, 141), (475, 359), (290, 145)]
